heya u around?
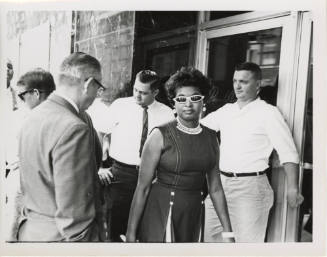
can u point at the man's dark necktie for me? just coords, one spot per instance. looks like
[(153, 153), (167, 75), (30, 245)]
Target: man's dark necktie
[(94, 136), (145, 128), (83, 116)]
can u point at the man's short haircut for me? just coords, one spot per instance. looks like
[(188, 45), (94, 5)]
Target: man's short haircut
[(77, 64), (38, 79), (250, 66), (148, 76)]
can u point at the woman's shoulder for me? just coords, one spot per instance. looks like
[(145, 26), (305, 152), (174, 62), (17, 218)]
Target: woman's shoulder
[(168, 124), (208, 130), (165, 127)]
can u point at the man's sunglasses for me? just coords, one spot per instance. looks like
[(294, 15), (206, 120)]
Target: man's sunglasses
[(22, 94), (192, 99)]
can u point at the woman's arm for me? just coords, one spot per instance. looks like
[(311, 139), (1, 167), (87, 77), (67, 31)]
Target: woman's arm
[(217, 196), (149, 160)]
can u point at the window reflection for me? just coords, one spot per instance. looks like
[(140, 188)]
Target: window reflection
[(261, 47)]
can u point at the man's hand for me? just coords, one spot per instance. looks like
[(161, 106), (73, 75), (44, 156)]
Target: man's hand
[(105, 176), (294, 198)]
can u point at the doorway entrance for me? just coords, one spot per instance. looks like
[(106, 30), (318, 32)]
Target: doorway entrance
[(273, 41)]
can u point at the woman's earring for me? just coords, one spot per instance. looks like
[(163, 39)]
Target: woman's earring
[(204, 108), (174, 111)]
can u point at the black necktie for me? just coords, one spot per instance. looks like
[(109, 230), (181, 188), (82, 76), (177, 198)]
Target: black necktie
[(97, 146), (144, 128)]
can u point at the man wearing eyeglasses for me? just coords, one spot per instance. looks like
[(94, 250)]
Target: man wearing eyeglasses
[(250, 130), (60, 155), (38, 84), (128, 120), (34, 87)]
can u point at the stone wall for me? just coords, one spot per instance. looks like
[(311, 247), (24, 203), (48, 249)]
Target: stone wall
[(109, 36), (58, 38), (20, 21)]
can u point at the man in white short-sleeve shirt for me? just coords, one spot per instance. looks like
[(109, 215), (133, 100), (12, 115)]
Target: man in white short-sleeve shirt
[(250, 130), (128, 121)]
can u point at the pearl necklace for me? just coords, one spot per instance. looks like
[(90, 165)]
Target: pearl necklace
[(191, 131)]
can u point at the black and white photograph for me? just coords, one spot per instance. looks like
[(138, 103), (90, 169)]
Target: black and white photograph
[(163, 130)]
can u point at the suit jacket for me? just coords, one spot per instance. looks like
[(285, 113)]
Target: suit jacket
[(59, 155)]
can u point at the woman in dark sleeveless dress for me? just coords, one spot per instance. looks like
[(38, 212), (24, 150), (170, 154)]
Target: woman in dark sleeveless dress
[(176, 159)]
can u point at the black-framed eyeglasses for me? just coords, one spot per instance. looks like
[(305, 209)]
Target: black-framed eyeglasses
[(22, 94), (101, 88), (192, 99)]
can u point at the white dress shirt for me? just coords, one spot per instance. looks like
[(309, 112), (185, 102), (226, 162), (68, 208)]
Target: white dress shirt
[(249, 134), (123, 120)]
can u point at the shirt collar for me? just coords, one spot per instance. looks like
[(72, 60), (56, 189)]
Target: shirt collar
[(249, 105), (151, 106), (68, 100)]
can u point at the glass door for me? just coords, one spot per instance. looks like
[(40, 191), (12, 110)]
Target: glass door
[(272, 41), (303, 132), (261, 47)]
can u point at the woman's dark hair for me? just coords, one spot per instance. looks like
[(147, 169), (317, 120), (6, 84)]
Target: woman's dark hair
[(188, 77), (38, 79)]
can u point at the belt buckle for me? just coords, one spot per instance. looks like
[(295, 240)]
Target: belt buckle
[(234, 175), (258, 173)]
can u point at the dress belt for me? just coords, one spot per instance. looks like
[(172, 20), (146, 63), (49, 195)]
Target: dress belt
[(248, 174)]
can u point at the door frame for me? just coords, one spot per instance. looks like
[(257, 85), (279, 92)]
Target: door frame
[(305, 48)]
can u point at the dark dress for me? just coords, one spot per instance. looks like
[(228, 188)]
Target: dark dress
[(175, 197)]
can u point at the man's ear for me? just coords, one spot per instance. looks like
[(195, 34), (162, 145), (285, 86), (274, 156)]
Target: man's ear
[(37, 92), (156, 92), (258, 86), (86, 85)]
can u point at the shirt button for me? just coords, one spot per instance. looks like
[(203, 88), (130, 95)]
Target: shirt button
[(171, 203), (172, 193)]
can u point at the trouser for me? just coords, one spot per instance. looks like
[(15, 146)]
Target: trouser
[(249, 200), (121, 192)]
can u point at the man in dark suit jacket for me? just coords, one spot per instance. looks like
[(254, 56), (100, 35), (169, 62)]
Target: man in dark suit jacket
[(59, 157)]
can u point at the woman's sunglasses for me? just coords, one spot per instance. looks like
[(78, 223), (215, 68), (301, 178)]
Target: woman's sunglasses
[(192, 99)]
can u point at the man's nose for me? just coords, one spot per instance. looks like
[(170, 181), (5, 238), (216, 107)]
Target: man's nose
[(237, 85)]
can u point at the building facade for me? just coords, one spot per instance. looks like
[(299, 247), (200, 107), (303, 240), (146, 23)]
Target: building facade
[(212, 41)]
